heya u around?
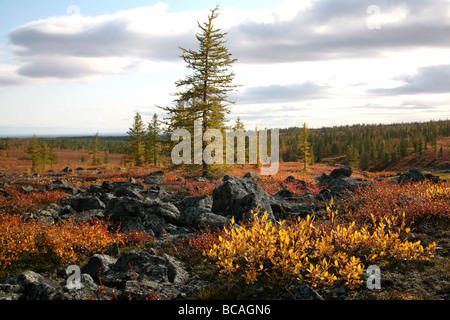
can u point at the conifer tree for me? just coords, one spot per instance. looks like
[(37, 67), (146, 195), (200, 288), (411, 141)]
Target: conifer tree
[(107, 160), (44, 156), (95, 148), (152, 141), (239, 125), (203, 94), (304, 146), (352, 156), (53, 157), (34, 151), (135, 141)]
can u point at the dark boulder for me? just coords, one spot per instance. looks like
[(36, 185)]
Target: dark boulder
[(324, 179), (296, 182), (142, 264), (252, 176), (128, 192), (237, 197), (63, 186), (344, 171), (98, 265), (84, 203), (124, 207), (34, 286), (415, 175)]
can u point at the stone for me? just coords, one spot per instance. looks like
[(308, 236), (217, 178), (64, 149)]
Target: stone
[(143, 264), (36, 287), (166, 210), (98, 265), (252, 176), (303, 292), (128, 192), (176, 272), (154, 180), (84, 203), (415, 175), (124, 207), (344, 171), (62, 186), (237, 197)]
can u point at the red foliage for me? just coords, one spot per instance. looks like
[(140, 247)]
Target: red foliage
[(18, 202), (418, 201)]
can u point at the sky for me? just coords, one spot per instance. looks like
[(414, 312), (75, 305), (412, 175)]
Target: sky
[(80, 67)]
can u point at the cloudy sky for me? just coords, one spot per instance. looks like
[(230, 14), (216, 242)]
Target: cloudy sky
[(81, 67)]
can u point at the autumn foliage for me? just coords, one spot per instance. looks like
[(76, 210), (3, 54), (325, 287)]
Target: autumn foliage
[(13, 201), (67, 241), (320, 254), (419, 201)]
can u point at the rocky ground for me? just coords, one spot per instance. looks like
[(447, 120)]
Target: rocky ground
[(155, 274)]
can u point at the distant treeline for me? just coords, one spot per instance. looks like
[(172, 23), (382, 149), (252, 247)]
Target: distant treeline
[(367, 146), (364, 146), (113, 144)]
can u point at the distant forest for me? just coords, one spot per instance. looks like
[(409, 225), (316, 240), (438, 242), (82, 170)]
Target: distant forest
[(114, 144), (366, 147)]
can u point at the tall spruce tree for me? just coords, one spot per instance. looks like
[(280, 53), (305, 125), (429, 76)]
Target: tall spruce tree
[(95, 149), (304, 146), (152, 141), (135, 141), (34, 151), (203, 95)]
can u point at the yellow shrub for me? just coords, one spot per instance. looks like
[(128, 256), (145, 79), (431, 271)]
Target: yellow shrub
[(310, 252)]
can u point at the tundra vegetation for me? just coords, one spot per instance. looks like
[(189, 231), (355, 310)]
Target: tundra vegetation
[(343, 199)]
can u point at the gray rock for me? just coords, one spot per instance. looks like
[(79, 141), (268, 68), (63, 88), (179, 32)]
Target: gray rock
[(128, 192), (10, 291), (124, 207), (84, 203), (36, 287), (344, 171), (98, 265), (282, 209), (303, 292), (140, 290), (144, 264), (341, 187), (237, 197), (176, 272), (166, 210), (415, 175), (347, 183), (62, 186), (252, 176), (154, 180)]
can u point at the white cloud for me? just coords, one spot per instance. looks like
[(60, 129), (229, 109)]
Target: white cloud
[(311, 60)]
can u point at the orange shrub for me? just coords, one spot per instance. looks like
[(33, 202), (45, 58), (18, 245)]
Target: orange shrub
[(67, 241), (16, 238), (71, 239)]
